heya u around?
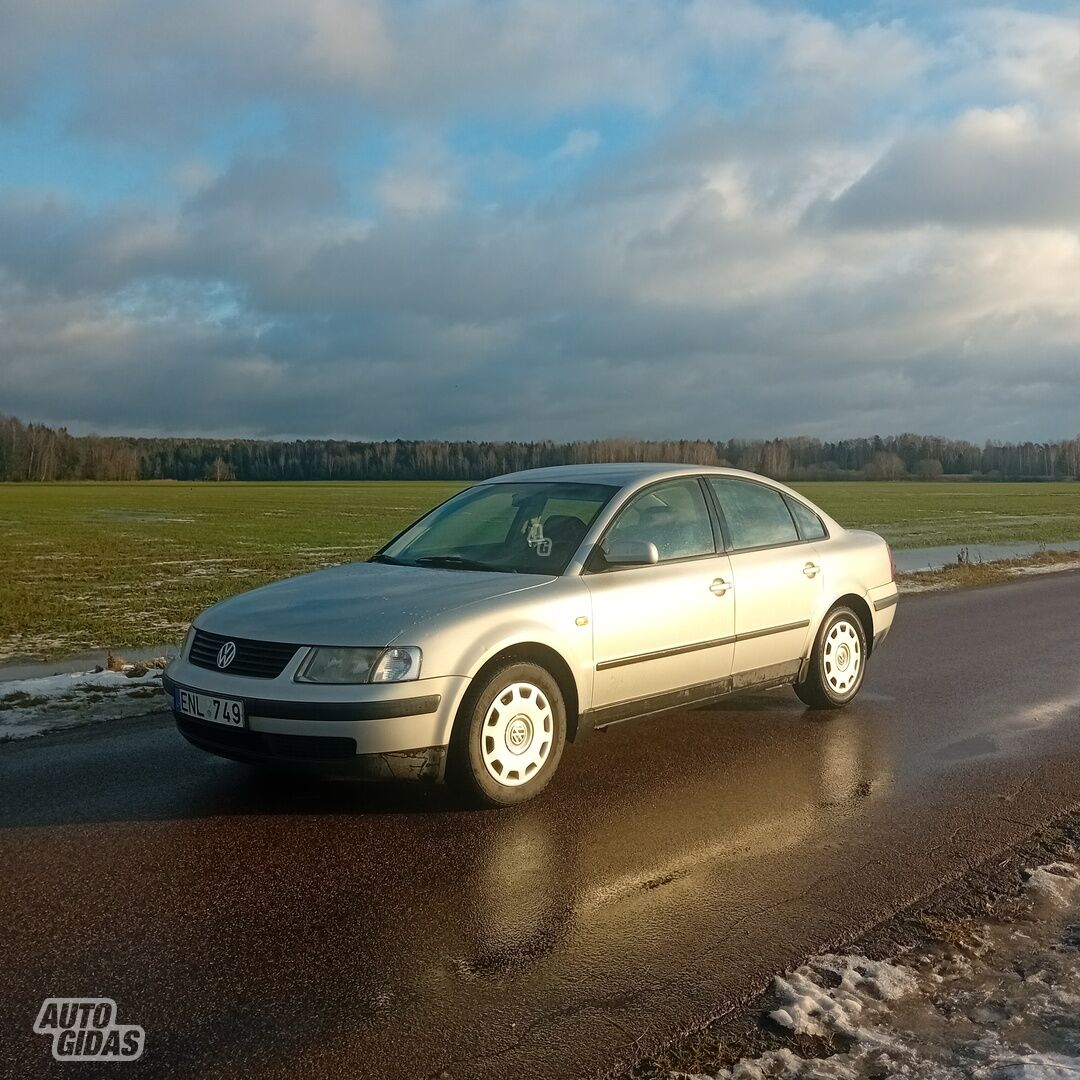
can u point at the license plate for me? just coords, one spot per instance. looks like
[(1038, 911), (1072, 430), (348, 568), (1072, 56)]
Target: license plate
[(215, 710)]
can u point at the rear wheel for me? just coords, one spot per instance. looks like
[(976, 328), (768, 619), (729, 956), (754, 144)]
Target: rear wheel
[(509, 736), (837, 664)]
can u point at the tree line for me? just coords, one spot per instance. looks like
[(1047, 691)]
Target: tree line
[(37, 452)]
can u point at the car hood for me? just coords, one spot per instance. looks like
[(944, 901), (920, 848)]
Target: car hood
[(355, 604)]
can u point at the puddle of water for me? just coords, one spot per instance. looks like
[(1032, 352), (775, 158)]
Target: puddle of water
[(1020, 725), (912, 560)]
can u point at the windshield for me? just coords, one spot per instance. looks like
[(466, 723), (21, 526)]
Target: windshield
[(525, 528)]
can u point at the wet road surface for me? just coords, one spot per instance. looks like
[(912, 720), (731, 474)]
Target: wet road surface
[(271, 928)]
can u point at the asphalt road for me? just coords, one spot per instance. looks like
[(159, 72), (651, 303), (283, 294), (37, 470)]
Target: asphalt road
[(262, 928)]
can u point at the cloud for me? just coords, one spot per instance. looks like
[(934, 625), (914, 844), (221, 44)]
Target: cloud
[(809, 54), (798, 224), (990, 168), (579, 142), (423, 180), (152, 73), (272, 186), (1032, 55)]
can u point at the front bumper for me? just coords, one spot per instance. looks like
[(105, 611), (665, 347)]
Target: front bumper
[(386, 731)]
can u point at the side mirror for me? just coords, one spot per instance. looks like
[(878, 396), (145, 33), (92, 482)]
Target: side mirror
[(631, 553)]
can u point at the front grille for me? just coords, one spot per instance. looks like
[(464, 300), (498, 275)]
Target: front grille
[(257, 659), (267, 744)]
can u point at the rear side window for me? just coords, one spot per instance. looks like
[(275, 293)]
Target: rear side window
[(672, 515), (756, 515), (810, 525)]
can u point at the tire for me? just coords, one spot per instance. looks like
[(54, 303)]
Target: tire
[(838, 662), (508, 737)]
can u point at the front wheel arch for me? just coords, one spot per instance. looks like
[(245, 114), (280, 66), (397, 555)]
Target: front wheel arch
[(533, 652)]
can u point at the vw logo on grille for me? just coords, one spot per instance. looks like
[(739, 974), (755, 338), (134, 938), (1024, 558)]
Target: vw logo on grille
[(226, 654)]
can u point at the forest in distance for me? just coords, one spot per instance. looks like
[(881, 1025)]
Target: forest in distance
[(37, 452)]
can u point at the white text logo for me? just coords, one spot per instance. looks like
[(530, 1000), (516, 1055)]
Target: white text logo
[(85, 1029)]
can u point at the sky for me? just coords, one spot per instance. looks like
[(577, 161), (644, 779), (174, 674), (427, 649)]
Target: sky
[(524, 219)]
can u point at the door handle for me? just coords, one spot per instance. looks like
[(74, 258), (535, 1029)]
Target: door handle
[(719, 587), (811, 569)]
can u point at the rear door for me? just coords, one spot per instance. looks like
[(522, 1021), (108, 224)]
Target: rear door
[(669, 625), (776, 574)]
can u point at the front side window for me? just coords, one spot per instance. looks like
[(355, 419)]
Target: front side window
[(527, 528), (756, 515), (672, 515)]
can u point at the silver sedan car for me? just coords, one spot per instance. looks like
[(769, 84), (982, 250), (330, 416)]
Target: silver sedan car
[(530, 609)]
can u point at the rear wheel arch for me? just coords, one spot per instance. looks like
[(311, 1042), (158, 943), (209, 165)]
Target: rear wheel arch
[(861, 608), (858, 604)]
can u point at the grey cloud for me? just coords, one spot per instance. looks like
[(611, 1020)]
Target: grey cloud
[(273, 186), (571, 362), (160, 379), (55, 246), (986, 176), (158, 73), (473, 325)]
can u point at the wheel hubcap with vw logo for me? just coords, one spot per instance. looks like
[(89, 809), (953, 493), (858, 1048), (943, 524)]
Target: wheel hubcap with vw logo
[(517, 734), (843, 657)]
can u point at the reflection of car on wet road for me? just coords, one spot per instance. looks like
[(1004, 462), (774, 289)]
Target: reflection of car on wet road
[(530, 609)]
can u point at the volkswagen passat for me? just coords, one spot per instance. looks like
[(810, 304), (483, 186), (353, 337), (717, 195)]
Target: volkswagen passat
[(527, 611)]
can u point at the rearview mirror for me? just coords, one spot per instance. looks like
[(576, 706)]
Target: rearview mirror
[(630, 553)]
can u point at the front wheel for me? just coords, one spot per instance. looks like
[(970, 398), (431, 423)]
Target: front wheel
[(509, 736), (837, 664)]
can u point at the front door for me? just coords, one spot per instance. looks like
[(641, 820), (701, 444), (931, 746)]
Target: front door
[(671, 624)]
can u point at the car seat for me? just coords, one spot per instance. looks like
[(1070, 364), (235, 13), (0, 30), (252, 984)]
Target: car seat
[(565, 533)]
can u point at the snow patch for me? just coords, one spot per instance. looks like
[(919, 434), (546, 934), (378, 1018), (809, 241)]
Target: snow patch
[(1055, 884), (999, 1003), (37, 706), (830, 993)]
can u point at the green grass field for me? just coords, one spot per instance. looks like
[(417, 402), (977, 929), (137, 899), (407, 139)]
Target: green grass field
[(912, 515), (108, 565)]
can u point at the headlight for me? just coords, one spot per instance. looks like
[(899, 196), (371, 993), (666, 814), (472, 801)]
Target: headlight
[(360, 665), (397, 665), (189, 637)]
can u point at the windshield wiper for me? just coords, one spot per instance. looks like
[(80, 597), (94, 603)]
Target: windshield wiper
[(388, 559), (452, 562)]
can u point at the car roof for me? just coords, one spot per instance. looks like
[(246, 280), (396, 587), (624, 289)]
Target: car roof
[(634, 474), (617, 474)]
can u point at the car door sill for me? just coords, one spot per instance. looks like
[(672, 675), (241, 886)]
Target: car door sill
[(688, 697)]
